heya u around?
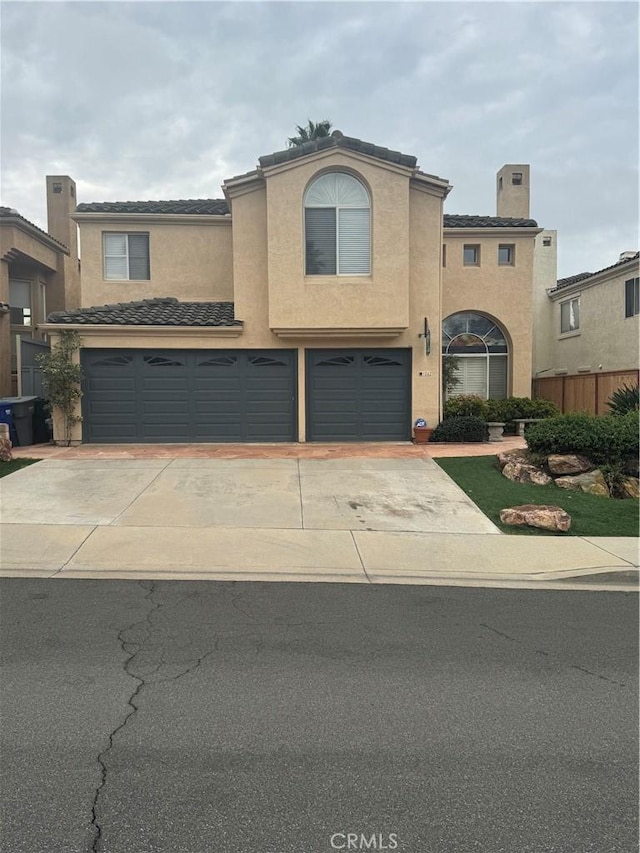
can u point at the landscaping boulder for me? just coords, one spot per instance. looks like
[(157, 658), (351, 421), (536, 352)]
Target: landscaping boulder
[(531, 515), (592, 483), (629, 487), (520, 454), (522, 472), (5, 444), (569, 463)]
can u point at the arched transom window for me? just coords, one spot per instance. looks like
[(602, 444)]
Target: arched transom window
[(337, 226), (482, 353)]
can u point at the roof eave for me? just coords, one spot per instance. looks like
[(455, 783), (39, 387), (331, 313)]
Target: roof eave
[(147, 328), (28, 227), (166, 218)]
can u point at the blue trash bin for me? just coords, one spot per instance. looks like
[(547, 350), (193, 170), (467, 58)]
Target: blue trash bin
[(6, 417), (22, 417)]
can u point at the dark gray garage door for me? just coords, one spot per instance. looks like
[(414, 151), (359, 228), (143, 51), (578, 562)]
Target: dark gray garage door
[(358, 395), (189, 395)]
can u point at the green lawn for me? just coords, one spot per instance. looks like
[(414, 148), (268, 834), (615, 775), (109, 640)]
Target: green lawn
[(480, 478), (15, 465)]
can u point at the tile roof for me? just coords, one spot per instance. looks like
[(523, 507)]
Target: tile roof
[(13, 214), (464, 221), (582, 276), (195, 206), (338, 140), (164, 311)]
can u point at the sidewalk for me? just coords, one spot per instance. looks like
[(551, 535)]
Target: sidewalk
[(148, 534)]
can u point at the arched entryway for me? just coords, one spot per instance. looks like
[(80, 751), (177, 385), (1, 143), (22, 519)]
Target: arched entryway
[(482, 353)]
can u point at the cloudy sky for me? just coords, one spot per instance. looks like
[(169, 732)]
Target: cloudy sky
[(154, 100)]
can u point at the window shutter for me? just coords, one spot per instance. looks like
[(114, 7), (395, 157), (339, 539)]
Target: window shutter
[(115, 256), (472, 373), (139, 257), (320, 240), (497, 377), (475, 376), (354, 241)]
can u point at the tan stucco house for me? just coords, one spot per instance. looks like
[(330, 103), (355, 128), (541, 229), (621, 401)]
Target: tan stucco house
[(312, 303), (39, 273), (586, 336)]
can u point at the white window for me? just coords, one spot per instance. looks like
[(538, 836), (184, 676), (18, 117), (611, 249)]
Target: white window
[(126, 257), (570, 315), (20, 303), (471, 256), (506, 255), (337, 224), (481, 351)]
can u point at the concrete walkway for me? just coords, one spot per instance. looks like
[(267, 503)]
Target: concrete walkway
[(383, 513)]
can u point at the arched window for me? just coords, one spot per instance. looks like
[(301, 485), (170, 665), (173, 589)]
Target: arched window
[(337, 226), (482, 353)]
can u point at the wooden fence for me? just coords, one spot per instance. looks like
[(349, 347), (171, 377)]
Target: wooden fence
[(586, 392)]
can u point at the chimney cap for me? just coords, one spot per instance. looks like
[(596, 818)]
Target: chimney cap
[(627, 256)]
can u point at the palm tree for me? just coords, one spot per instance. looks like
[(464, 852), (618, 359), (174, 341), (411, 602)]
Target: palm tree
[(319, 130)]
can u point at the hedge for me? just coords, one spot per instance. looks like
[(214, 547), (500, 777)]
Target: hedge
[(460, 429), (608, 439), (512, 408)]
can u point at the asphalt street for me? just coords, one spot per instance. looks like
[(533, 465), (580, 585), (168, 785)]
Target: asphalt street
[(220, 717)]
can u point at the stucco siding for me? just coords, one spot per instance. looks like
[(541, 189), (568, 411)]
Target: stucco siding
[(502, 292), (189, 261)]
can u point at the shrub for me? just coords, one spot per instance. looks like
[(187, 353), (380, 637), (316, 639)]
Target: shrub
[(460, 429), (625, 399), (465, 406), (509, 409), (607, 439)]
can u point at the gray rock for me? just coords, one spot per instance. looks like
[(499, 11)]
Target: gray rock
[(531, 515)]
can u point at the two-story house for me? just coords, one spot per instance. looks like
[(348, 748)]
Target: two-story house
[(586, 336), (312, 303), (39, 273)]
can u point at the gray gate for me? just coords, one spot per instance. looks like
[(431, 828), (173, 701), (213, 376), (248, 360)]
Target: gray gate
[(146, 396), (358, 394), (30, 372)]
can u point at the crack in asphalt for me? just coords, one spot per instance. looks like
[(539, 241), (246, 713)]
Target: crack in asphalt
[(144, 677), (552, 656), (132, 649)]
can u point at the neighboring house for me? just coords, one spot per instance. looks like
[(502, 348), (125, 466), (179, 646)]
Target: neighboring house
[(587, 336), (39, 273), (307, 305)]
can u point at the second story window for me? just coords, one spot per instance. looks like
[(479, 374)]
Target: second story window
[(337, 226), (632, 297), (570, 315), (506, 255), (126, 257), (471, 256)]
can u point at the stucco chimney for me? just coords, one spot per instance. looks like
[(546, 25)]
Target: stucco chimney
[(61, 203), (513, 191)]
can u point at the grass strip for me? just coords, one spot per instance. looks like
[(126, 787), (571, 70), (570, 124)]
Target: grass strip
[(15, 465), (481, 479)]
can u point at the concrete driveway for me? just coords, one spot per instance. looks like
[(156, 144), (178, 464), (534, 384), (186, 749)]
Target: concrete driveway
[(353, 519)]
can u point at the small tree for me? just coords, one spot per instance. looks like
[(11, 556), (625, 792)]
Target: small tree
[(61, 378), (450, 378)]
